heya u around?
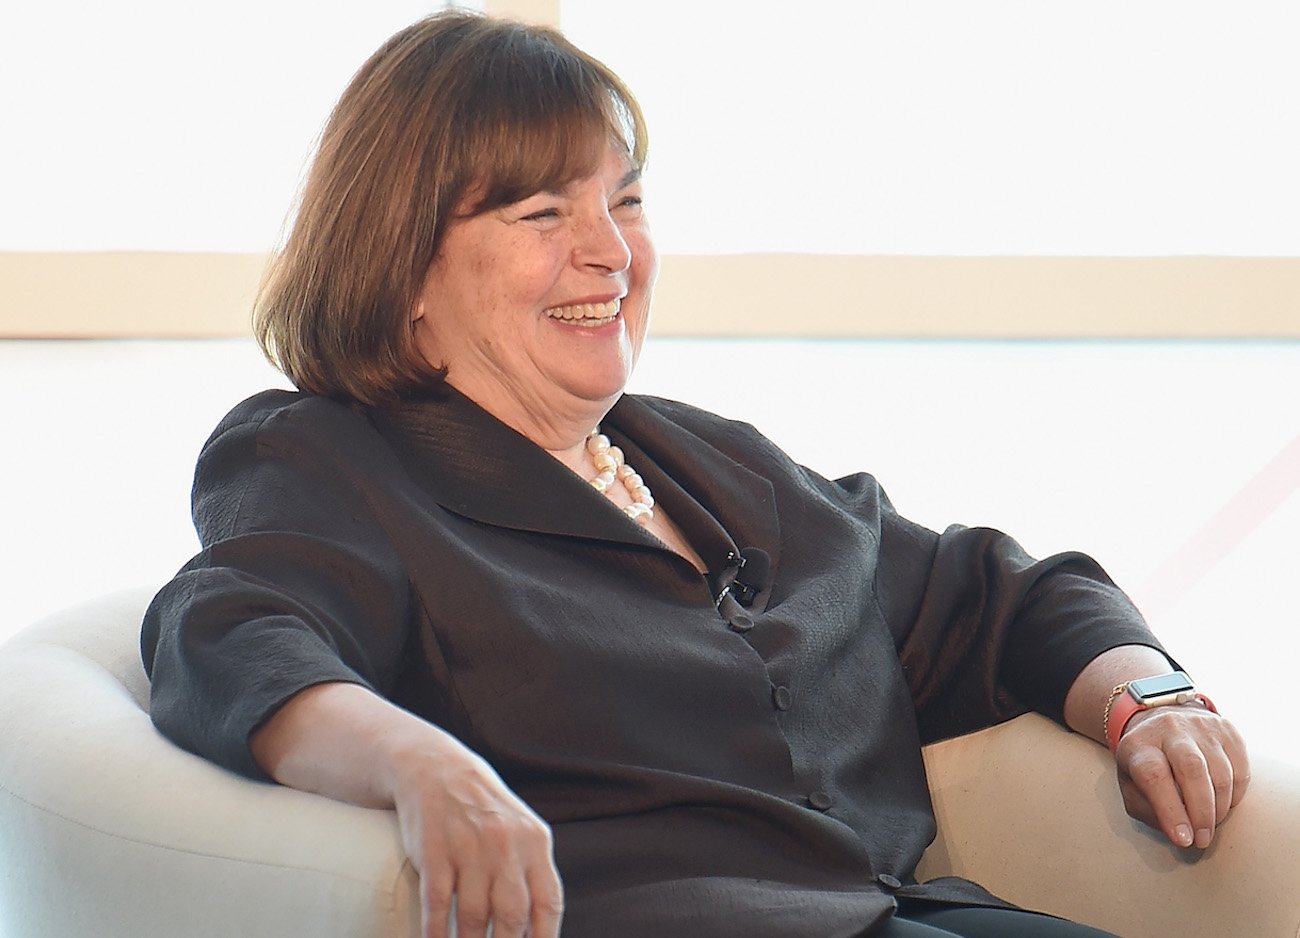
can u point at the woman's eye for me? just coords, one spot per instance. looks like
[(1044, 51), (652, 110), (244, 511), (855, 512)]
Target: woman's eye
[(542, 214), (631, 201)]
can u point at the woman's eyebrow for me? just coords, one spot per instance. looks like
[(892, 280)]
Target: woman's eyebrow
[(559, 192), (631, 176)]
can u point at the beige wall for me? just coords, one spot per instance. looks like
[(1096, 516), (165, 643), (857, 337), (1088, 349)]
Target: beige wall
[(60, 295), (530, 11)]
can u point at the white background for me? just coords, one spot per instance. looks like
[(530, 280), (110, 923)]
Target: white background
[(1091, 127)]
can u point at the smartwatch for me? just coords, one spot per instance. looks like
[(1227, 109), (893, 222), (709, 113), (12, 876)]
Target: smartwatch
[(1159, 691)]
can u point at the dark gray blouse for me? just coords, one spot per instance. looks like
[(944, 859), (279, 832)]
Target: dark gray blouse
[(708, 768)]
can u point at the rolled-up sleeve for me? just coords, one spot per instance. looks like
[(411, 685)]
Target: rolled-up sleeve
[(296, 585), (985, 631)]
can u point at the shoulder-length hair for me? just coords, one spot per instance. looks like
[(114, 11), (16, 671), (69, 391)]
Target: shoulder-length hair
[(458, 113)]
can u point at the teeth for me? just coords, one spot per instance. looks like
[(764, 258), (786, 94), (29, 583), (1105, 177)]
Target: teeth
[(586, 314)]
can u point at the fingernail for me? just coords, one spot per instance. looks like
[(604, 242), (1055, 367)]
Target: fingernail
[(1183, 835), (1203, 835)]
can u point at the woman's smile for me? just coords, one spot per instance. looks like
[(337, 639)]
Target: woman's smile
[(586, 315)]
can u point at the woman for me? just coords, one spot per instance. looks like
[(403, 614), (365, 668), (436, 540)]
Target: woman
[(428, 583)]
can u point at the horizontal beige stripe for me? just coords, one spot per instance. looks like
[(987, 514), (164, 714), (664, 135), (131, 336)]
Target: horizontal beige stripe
[(546, 12), (194, 295), (1014, 297), (94, 295)]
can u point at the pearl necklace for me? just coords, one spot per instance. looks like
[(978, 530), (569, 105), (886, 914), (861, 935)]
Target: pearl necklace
[(610, 466)]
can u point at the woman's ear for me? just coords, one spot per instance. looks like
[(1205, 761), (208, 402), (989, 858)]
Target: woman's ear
[(417, 311), (418, 307)]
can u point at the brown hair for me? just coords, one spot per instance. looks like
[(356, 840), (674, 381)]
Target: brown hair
[(456, 107)]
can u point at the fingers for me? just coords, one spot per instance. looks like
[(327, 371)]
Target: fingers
[(506, 876), (1152, 796), (501, 903), (1234, 747), (1193, 780), (437, 886), (1182, 771), (485, 858), (548, 903), (502, 882), (1223, 782), (512, 906)]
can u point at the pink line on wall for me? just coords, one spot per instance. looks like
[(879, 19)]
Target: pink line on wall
[(1223, 531)]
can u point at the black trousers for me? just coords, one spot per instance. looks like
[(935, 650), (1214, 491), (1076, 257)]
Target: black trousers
[(931, 920)]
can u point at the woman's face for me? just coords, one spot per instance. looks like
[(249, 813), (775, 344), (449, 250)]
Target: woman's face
[(538, 309)]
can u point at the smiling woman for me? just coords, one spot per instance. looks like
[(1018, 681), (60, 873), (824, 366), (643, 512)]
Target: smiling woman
[(699, 710)]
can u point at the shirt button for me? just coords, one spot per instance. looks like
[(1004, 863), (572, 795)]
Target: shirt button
[(819, 800), (889, 882), (740, 622), (782, 697)]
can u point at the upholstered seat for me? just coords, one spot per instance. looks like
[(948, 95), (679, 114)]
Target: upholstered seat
[(107, 829)]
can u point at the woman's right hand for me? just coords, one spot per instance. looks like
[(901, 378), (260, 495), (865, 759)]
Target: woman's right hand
[(477, 847), (484, 857)]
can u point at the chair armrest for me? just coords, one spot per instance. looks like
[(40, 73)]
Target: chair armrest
[(1033, 813), (108, 829)]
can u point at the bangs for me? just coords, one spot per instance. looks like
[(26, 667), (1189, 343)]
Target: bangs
[(543, 119)]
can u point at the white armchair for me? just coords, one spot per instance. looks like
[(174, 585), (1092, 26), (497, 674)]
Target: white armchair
[(107, 829)]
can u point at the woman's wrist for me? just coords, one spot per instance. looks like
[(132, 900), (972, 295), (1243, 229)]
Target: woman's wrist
[(416, 752), (1093, 689)]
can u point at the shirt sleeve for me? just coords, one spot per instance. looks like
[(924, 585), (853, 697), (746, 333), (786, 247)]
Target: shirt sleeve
[(984, 631), (296, 583)]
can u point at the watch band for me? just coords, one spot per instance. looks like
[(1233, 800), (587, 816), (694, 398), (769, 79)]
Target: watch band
[(1124, 706)]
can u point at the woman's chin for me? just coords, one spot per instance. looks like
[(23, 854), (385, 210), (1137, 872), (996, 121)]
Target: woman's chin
[(598, 378), (605, 394), (604, 389)]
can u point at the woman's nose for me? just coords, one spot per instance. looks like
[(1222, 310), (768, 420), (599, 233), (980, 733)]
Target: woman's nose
[(601, 244)]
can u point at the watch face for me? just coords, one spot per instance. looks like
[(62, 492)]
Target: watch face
[(1162, 686)]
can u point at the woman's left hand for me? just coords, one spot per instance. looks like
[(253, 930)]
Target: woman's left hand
[(1181, 769)]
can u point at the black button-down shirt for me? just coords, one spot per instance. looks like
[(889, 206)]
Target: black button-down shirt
[(708, 768)]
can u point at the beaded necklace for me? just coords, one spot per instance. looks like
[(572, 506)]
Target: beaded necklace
[(610, 466)]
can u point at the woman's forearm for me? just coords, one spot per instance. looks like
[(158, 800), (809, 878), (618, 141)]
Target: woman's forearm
[(341, 740), (1085, 704)]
